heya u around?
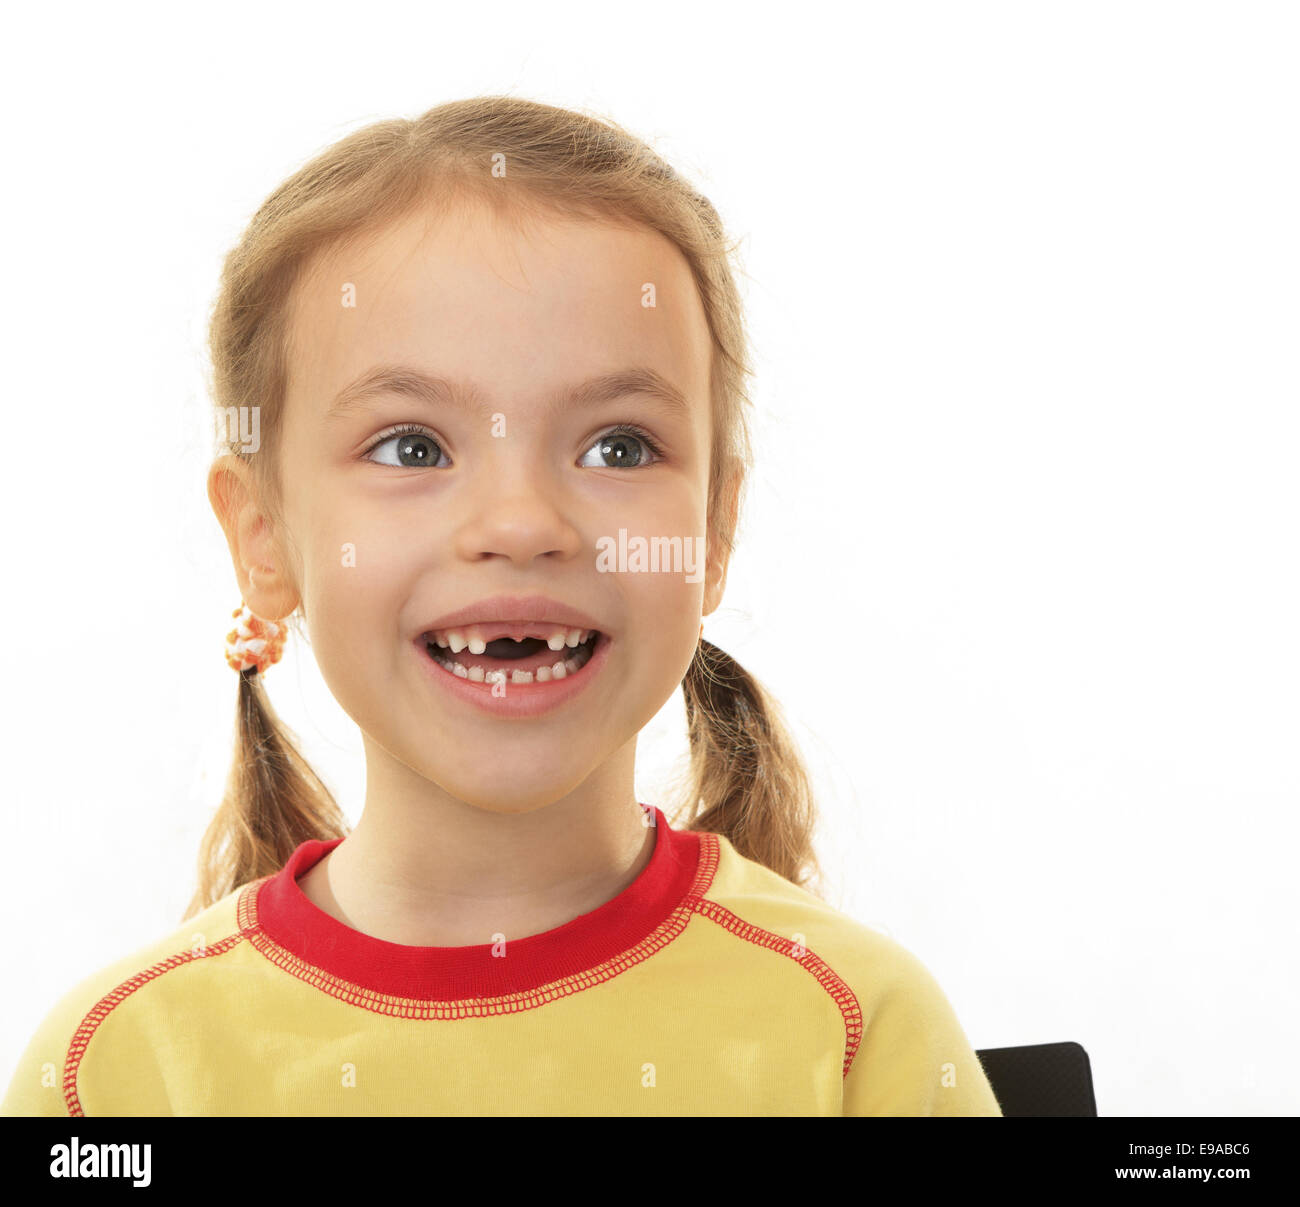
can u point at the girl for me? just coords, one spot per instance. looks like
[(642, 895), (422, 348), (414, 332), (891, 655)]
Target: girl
[(460, 360)]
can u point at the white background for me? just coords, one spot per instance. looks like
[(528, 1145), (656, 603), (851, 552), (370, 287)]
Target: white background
[(1020, 557)]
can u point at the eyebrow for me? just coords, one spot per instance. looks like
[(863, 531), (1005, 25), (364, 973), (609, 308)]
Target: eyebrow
[(438, 391)]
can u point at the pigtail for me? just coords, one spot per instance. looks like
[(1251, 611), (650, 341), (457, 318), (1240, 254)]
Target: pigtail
[(273, 802), (747, 780)]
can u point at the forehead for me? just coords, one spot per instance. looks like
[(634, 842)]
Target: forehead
[(518, 307)]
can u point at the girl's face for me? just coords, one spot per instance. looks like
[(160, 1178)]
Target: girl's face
[(512, 488)]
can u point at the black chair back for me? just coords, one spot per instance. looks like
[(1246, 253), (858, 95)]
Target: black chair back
[(1040, 1080)]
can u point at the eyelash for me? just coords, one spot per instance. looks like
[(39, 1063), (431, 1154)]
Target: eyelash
[(630, 429)]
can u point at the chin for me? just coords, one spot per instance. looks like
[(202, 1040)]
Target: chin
[(491, 795)]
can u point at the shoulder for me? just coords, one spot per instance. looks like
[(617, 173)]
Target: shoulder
[(760, 900), (906, 1052), (45, 1081)]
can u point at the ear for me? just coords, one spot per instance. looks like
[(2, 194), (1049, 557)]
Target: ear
[(232, 491), (715, 579)]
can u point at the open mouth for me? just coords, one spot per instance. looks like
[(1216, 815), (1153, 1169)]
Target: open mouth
[(486, 654)]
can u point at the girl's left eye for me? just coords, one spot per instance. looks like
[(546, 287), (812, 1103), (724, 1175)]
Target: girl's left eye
[(414, 447), (619, 449)]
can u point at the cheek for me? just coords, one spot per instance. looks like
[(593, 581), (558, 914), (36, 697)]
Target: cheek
[(669, 601), (667, 608), (353, 581)]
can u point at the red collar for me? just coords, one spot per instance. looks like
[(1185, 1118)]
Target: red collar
[(283, 913)]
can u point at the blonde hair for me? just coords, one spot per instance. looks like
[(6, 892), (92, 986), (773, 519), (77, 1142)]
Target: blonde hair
[(745, 778)]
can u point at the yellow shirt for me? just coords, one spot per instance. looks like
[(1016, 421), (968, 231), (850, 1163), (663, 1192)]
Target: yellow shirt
[(710, 986)]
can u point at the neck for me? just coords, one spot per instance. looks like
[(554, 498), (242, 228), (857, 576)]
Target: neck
[(423, 868)]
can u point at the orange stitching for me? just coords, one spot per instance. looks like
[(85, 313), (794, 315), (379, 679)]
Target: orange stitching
[(826, 976), (511, 1003), (110, 1001), (692, 903)]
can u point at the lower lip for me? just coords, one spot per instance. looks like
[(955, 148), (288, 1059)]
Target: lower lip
[(520, 699)]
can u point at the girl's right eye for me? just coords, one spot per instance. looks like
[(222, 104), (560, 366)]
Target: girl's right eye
[(413, 447)]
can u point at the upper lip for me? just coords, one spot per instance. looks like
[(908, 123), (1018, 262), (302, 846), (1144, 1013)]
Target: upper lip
[(524, 609)]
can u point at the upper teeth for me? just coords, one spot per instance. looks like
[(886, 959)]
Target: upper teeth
[(472, 637)]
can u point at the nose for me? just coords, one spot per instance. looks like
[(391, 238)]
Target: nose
[(520, 516)]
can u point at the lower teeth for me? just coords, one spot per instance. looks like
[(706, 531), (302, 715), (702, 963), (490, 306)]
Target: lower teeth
[(543, 674)]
